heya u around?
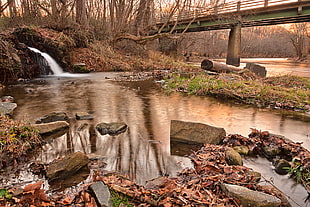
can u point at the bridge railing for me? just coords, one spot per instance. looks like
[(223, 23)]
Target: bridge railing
[(228, 7)]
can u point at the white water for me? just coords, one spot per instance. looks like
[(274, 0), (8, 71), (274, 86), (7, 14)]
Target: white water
[(57, 70)]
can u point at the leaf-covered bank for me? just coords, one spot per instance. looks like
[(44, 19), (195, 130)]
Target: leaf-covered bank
[(17, 138), (285, 92)]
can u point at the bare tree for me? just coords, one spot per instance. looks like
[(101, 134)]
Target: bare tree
[(298, 37), (81, 17)]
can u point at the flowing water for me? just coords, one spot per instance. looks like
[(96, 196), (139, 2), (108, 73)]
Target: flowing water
[(144, 151)]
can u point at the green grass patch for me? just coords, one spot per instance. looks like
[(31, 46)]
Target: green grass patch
[(284, 92)]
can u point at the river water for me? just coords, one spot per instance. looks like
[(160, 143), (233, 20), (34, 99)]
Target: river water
[(144, 152)]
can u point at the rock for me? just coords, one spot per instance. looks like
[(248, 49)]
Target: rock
[(256, 175), (80, 68), (7, 99), (281, 166), (73, 180), (102, 194), (58, 127), (242, 149), (257, 69), (69, 165), (113, 128), (270, 151), (190, 132), (247, 197), (52, 117), (233, 157), (7, 108), (83, 116)]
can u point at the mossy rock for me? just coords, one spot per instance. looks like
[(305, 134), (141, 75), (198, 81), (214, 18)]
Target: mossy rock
[(80, 68)]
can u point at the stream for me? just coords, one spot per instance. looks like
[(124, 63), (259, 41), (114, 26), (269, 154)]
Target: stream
[(144, 151)]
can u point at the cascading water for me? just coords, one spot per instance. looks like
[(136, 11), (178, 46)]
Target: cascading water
[(53, 65)]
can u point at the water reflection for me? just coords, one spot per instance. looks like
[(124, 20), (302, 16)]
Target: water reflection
[(143, 151)]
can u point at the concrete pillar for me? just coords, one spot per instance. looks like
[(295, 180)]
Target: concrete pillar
[(234, 45)]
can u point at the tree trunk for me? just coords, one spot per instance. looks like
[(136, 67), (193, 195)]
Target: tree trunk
[(81, 17), (218, 67)]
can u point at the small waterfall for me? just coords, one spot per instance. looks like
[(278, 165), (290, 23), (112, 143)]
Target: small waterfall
[(49, 63)]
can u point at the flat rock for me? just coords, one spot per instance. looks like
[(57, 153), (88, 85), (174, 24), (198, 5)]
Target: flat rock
[(7, 108), (113, 128), (247, 197), (190, 132), (69, 165), (83, 116), (102, 194), (52, 128), (52, 117)]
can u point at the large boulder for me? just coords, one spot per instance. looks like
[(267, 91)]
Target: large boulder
[(7, 108), (247, 197), (52, 117), (57, 128), (190, 132), (69, 165), (113, 128)]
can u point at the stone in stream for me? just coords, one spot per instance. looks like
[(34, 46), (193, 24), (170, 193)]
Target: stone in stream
[(7, 108), (52, 117), (113, 128), (57, 128), (83, 116), (190, 132), (247, 197), (102, 194), (281, 166), (69, 165)]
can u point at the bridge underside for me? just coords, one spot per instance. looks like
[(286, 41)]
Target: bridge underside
[(246, 20)]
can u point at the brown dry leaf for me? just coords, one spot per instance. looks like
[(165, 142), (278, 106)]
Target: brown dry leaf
[(228, 169), (34, 186), (67, 201)]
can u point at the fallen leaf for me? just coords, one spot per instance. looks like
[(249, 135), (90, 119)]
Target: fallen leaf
[(34, 186)]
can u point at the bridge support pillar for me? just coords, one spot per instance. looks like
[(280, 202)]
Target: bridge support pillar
[(234, 46)]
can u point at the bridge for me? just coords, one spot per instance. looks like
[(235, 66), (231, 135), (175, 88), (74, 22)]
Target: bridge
[(234, 15)]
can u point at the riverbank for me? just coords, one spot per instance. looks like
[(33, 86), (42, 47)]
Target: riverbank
[(283, 92)]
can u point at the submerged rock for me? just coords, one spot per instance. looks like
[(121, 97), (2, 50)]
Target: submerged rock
[(69, 165), (52, 117), (233, 157), (247, 197), (113, 128), (195, 132), (7, 108)]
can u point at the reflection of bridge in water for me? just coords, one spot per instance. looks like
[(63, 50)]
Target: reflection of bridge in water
[(235, 15)]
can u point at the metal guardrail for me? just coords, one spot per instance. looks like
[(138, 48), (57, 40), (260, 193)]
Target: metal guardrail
[(228, 7)]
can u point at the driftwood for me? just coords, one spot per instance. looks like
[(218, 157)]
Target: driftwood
[(218, 67)]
